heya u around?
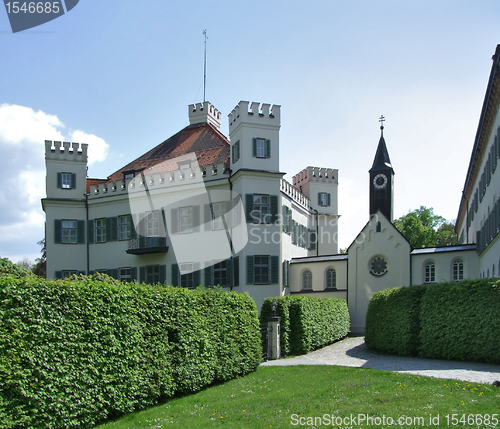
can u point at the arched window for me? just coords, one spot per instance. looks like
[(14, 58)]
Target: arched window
[(430, 272), (307, 280), (458, 270), (331, 279)]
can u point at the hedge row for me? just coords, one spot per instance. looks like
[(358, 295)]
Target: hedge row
[(308, 323), (449, 320), (73, 353)]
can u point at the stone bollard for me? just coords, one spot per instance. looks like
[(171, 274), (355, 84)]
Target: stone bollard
[(273, 342)]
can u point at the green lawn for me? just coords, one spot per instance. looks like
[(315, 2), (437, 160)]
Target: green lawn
[(287, 397)]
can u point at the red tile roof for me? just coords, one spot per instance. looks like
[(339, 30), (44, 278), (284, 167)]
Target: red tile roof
[(208, 143)]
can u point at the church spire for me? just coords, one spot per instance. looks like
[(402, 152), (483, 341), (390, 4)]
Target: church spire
[(381, 179), (382, 160)]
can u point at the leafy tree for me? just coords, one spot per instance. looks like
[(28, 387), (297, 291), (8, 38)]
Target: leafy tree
[(423, 228), (7, 268), (40, 266)]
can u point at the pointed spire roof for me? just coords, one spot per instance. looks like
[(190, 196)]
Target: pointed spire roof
[(382, 160)]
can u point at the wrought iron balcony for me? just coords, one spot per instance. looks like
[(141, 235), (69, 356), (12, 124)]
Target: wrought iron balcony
[(143, 245)]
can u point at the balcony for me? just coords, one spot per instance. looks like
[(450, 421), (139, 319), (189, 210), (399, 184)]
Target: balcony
[(144, 245)]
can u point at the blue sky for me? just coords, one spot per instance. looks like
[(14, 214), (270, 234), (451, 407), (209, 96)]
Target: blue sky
[(120, 75)]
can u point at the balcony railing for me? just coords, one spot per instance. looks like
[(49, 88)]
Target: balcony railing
[(143, 245)]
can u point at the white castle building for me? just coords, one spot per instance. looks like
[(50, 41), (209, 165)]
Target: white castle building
[(202, 209)]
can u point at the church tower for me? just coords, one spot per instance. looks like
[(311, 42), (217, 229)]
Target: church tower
[(382, 180)]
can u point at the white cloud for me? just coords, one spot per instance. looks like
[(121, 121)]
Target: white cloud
[(23, 132), (98, 148)]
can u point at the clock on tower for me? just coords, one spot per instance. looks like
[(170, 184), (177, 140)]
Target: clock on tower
[(382, 179)]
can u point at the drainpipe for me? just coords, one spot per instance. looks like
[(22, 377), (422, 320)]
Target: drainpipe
[(317, 231), (86, 226), (230, 231)]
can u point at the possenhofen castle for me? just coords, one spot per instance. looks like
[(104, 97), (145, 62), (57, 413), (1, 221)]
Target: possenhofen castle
[(204, 209)]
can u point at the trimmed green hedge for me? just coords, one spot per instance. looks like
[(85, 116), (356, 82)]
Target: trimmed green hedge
[(308, 323), (76, 352), (449, 320), (392, 320)]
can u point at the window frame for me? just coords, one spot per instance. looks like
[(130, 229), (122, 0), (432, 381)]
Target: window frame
[(186, 227), (262, 209), (331, 279), (458, 270), (429, 272), (261, 270), (152, 274), (124, 223), (125, 277), (72, 230), (218, 215), (152, 220), (187, 280), (306, 280), (219, 270), (100, 230)]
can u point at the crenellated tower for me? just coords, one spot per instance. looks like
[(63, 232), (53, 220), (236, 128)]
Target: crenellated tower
[(66, 166), (254, 135)]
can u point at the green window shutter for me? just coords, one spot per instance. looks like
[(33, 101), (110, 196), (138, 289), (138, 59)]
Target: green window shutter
[(208, 217), (249, 207), (174, 221), (237, 150), (284, 214), (58, 274), (274, 263), (274, 208), (113, 273), (90, 231), (59, 180), (250, 270), (80, 231), (268, 148), (329, 200), (133, 273), (175, 275), (58, 231), (285, 274), (163, 274), (312, 239), (197, 278), (73, 181), (111, 228), (319, 198), (142, 274), (196, 218), (229, 272), (254, 147), (236, 271), (208, 276), (133, 232)]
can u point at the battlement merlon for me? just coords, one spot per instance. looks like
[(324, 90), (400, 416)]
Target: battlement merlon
[(66, 152), (201, 113), (256, 113), (316, 175)]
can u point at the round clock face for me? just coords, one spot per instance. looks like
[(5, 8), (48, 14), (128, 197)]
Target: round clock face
[(380, 181), (378, 266)]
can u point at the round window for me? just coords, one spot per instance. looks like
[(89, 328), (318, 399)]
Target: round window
[(378, 266)]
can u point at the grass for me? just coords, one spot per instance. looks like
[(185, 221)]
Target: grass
[(278, 397)]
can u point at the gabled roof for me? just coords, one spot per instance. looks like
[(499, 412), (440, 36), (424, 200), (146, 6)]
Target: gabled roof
[(382, 160), (209, 144)]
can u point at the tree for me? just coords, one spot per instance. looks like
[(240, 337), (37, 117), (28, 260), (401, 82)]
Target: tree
[(40, 266), (422, 228)]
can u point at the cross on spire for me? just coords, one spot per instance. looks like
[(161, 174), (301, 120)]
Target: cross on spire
[(381, 120)]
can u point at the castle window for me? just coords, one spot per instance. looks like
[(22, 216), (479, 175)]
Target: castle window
[(261, 148), (124, 227), (430, 272), (186, 219), (69, 231), (219, 209), (220, 274), (324, 199), (153, 224), (458, 270), (125, 274), (331, 279), (66, 180), (152, 274), (307, 280), (260, 208), (261, 269), (100, 230)]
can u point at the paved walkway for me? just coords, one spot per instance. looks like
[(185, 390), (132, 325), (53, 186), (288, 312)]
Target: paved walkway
[(352, 351)]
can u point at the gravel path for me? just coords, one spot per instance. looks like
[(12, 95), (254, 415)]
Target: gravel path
[(352, 351)]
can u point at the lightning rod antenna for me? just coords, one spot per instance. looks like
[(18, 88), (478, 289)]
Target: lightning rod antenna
[(205, 67)]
